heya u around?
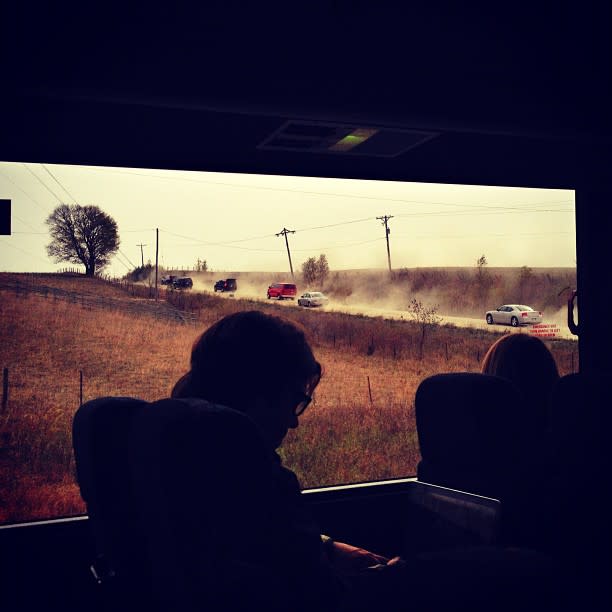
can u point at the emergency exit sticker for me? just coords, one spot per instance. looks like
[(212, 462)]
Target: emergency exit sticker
[(545, 330)]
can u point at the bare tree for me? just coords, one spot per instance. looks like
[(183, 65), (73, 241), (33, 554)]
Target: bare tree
[(426, 317), (525, 277), (201, 265), (483, 280), (322, 269), (82, 234), (310, 270)]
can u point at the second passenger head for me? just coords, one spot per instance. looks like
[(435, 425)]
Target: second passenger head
[(258, 364), (525, 360)]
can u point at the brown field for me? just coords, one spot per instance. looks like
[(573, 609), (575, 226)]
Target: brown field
[(344, 437)]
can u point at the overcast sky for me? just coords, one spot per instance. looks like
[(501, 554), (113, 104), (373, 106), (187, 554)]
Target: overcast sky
[(230, 220)]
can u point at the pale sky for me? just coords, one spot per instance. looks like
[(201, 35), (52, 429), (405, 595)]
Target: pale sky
[(231, 220)]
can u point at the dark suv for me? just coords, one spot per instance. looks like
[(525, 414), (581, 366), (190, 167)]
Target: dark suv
[(182, 283), (168, 280), (228, 284)]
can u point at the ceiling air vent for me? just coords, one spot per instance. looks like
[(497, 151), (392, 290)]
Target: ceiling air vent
[(343, 139)]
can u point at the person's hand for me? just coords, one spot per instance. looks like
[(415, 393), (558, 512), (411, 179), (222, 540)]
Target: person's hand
[(347, 558)]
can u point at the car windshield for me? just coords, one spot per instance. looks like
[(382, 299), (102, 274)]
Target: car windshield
[(316, 294), (523, 308)]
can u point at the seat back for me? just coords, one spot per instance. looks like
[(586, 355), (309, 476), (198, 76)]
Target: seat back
[(101, 439), (474, 432), (581, 425), (148, 474), (580, 446), (576, 520)]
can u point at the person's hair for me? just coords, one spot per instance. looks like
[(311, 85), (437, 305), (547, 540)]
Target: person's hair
[(525, 360), (246, 354)]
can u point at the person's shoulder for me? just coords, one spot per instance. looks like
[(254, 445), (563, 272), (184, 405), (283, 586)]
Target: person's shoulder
[(219, 425)]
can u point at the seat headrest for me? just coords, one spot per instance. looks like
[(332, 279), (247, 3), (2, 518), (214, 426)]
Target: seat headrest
[(100, 434), (468, 418), (580, 417)]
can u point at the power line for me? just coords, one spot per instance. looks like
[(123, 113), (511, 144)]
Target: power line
[(27, 195), (347, 245), (197, 242), (442, 213), (127, 258), (307, 229), (229, 244), (324, 193), (480, 235), (24, 251), (43, 184), (57, 181), (122, 262), (25, 223)]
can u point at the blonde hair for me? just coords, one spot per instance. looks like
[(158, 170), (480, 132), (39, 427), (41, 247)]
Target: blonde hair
[(524, 360)]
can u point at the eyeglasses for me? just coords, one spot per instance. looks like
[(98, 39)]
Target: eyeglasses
[(305, 401)]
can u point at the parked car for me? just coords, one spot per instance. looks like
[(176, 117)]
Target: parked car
[(168, 279), (282, 291), (228, 284), (312, 298), (182, 283), (514, 314)]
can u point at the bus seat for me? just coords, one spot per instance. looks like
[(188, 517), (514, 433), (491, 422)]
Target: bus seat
[(472, 429), (580, 448), (101, 432), (147, 474), (477, 435), (580, 422)]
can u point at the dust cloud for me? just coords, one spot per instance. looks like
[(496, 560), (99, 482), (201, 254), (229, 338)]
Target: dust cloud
[(459, 296)]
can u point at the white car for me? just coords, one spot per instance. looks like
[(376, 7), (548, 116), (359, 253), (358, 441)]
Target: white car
[(514, 314), (312, 298)]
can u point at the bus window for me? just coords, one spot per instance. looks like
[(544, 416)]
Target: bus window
[(418, 279)]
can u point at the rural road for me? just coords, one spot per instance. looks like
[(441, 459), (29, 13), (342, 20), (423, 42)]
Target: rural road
[(550, 328)]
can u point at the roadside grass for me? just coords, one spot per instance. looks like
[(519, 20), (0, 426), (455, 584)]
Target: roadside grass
[(354, 431)]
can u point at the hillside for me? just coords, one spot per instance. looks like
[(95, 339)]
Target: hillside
[(360, 427)]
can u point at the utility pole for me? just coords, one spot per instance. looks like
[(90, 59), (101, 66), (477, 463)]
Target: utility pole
[(156, 259), (284, 233), (384, 219), (141, 254)]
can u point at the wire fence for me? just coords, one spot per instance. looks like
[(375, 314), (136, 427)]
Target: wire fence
[(145, 306)]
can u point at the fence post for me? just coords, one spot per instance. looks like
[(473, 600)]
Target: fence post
[(5, 388), (370, 391), (80, 388)]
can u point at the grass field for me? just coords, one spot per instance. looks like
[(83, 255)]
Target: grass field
[(354, 432)]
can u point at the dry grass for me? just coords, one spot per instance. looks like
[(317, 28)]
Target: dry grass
[(344, 437)]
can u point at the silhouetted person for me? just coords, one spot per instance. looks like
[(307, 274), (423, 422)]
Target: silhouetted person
[(262, 369), (525, 360)]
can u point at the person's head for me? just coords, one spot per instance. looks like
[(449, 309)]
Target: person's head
[(256, 363), (525, 360)]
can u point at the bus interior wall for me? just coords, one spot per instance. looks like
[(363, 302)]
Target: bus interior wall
[(523, 103)]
